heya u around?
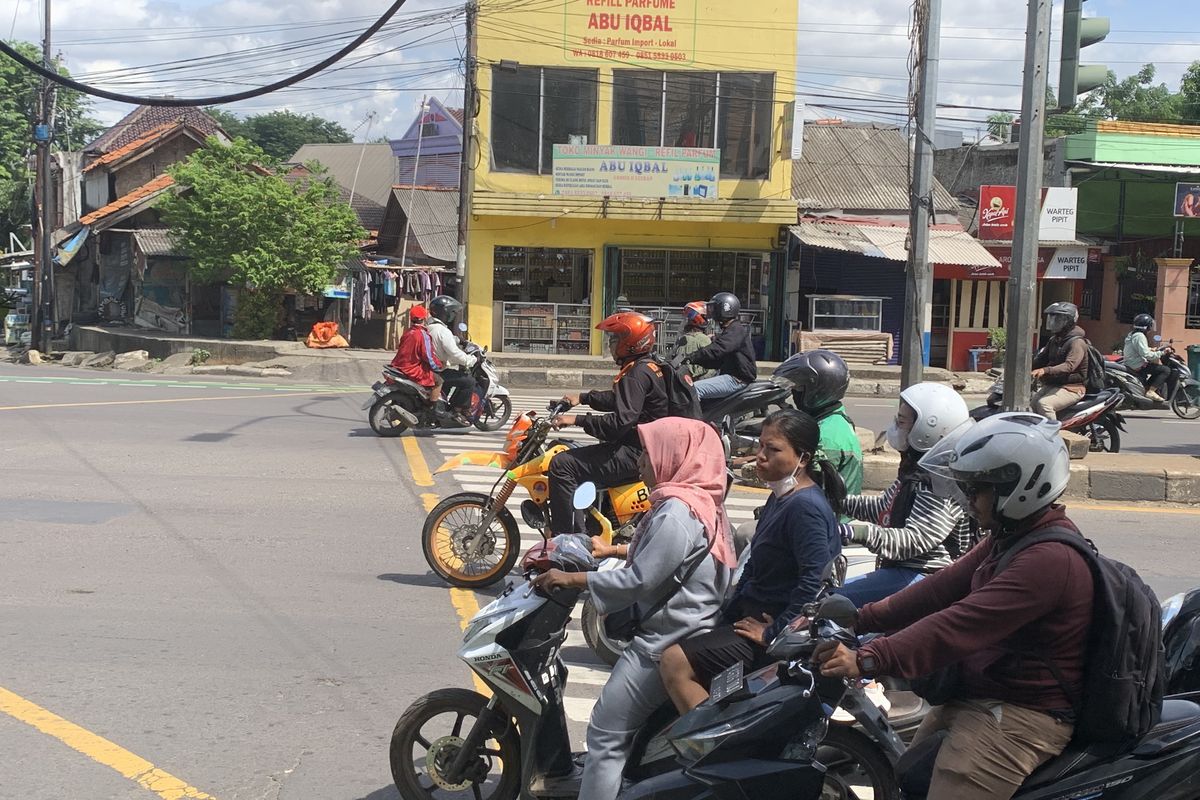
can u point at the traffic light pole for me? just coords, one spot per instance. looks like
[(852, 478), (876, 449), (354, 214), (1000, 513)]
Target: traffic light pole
[(1022, 312)]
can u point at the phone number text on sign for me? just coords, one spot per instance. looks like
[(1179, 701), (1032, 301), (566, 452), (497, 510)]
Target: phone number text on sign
[(669, 35)]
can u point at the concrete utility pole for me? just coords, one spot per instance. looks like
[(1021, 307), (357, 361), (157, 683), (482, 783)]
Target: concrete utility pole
[(466, 167), (42, 329), (918, 294), (1022, 313)]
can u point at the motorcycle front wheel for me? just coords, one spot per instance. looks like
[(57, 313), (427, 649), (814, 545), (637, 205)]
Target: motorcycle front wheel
[(459, 552), (1105, 436), (431, 733), (383, 420), (606, 649), (496, 411), (855, 767), (1186, 402)]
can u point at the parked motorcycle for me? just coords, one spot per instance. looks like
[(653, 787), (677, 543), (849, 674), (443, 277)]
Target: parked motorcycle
[(471, 539), (399, 403), (1184, 398), (1094, 416)]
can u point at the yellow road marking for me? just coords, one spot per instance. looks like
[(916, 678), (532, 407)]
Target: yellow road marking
[(99, 749), (151, 402), (416, 462)]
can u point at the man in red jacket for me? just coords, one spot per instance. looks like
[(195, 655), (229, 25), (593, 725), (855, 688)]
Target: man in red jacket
[(1008, 632), (414, 356)]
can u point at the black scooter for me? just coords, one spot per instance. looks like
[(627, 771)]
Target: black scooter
[(1183, 397)]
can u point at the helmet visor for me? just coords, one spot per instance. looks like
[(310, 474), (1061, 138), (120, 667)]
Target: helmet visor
[(1057, 323), (611, 341), (937, 463)]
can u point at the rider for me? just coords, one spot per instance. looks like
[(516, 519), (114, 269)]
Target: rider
[(679, 568), (414, 355), (1062, 364), (638, 396), (913, 532), (1145, 361), (694, 337), (458, 383), (1017, 638), (731, 353)]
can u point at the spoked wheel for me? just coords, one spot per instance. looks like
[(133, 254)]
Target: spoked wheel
[(1186, 401), (606, 649), (384, 420), (497, 409), (429, 736), (1105, 436), (854, 768), (459, 551)]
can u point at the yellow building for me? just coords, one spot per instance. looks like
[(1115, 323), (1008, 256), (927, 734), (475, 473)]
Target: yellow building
[(661, 104)]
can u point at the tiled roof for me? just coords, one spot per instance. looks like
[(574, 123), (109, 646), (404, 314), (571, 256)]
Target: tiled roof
[(155, 242), (143, 119), (457, 113), (116, 155), (137, 195)]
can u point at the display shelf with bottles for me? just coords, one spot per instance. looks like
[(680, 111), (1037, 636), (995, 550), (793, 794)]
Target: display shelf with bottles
[(529, 327), (574, 324)]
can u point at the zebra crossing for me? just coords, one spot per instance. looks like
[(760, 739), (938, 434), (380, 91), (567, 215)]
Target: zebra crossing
[(588, 673)]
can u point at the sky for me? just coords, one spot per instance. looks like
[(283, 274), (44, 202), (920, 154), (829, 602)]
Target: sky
[(853, 55)]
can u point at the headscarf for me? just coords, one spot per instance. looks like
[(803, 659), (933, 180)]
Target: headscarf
[(689, 465)]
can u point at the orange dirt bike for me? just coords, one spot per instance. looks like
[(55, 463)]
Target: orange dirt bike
[(471, 539)]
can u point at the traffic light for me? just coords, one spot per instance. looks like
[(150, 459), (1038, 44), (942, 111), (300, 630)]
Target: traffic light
[(1079, 32)]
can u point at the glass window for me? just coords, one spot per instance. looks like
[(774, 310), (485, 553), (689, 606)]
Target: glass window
[(745, 126), (691, 109), (842, 313), (637, 107), (534, 109)]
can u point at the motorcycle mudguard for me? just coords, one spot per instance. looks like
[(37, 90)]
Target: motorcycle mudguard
[(475, 458), (629, 500)]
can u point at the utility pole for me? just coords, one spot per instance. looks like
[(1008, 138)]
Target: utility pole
[(42, 329), (1022, 313), (466, 168), (918, 293)]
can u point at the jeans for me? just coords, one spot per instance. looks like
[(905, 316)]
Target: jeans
[(457, 389), (718, 387), (875, 586), (1155, 376)]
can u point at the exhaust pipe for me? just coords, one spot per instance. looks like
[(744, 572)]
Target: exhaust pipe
[(409, 418)]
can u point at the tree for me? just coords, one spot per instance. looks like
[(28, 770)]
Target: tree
[(1000, 125), (280, 133), (240, 223), (1135, 98), (1189, 95), (19, 104)]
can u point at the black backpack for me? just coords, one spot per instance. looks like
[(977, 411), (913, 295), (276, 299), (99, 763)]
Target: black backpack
[(682, 400), (1123, 676)]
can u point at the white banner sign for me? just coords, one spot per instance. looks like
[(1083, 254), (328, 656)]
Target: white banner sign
[(1067, 263), (1060, 210)]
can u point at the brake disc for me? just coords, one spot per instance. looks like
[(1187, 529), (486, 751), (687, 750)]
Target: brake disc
[(439, 758)]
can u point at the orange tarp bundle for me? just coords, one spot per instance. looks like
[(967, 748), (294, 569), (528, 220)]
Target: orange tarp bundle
[(325, 334)]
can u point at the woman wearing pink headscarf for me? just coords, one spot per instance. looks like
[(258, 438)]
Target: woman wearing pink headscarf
[(678, 571)]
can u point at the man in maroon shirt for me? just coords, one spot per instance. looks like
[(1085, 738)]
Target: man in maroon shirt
[(1006, 632)]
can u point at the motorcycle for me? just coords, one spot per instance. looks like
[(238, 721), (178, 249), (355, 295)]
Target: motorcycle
[(399, 403), (1184, 399), (471, 539), (1094, 416)]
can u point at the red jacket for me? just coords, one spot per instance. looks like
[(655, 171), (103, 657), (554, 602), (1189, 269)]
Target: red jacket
[(414, 357), (989, 624)]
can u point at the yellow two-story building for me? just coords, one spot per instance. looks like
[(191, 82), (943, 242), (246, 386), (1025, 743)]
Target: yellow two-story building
[(631, 153)]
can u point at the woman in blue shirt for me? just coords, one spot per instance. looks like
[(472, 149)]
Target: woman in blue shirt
[(796, 538)]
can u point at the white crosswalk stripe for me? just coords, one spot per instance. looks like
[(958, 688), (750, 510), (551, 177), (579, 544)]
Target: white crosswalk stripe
[(587, 674)]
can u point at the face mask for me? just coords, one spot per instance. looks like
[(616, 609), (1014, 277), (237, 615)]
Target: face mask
[(781, 487), (897, 437)]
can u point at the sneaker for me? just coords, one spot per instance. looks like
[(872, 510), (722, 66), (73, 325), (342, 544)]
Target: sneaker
[(1155, 396)]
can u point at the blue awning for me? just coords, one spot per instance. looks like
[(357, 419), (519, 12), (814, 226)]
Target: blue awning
[(70, 248)]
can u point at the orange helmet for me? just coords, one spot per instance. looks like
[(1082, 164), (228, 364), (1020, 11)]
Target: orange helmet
[(633, 333), (696, 313)]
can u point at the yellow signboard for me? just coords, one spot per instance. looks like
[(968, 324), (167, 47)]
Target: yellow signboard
[(625, 171), (633, 31)]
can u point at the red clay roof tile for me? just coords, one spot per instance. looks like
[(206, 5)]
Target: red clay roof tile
[(140, 193)]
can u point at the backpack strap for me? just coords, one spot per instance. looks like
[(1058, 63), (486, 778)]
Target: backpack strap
[(694, 564)]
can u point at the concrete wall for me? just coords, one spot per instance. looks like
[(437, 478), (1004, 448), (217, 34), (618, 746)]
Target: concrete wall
[(963, 170)]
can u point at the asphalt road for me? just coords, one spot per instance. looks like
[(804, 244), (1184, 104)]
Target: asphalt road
[(224, 581)]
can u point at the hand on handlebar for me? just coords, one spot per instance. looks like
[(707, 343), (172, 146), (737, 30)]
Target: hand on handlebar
[(555, 579), (571, 400), (836, 660), (563, 421)]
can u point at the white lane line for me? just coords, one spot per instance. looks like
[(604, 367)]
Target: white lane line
[(33, 380), (84, 383), (1179, 422), (135, 385)]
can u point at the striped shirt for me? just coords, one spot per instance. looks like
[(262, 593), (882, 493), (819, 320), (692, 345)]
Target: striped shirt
[(935, 529)]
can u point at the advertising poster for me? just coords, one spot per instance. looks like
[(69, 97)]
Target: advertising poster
[(1057, 216), (620, 171), (1187, 200)]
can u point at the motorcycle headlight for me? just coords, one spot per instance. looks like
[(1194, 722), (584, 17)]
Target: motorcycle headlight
[(698, 744), (1170, 609)]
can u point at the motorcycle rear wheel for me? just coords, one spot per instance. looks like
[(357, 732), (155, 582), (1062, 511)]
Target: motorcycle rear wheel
[(497, 410), (417, 775), (852, 763), (1186, 402), (383, 422), (1104, 435), (451, 527)]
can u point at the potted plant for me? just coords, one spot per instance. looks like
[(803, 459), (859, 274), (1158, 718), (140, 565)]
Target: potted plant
[(997, 339)]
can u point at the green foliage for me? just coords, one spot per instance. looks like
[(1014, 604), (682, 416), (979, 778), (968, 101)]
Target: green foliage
[(258, 313), (1000, 125), (1189, 95), (998, 338), (1136, 98), (255, 230), (281, 133), (199, 356)]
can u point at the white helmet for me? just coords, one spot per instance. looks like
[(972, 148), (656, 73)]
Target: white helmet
[(1019, 453), (939, 410)]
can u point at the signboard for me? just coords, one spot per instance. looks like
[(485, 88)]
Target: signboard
[(1056, 218), (620, 171), (793, 130), (1187, 200), (1054, 263), (630, 31)]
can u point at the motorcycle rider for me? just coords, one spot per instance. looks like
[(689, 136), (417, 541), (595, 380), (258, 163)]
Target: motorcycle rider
[(694, 337), (681, 558), (731, 353), (638, 396), (913, 532), (1010, 712), (459, 386), (1062, 364), (414, 355), (1145, 361)]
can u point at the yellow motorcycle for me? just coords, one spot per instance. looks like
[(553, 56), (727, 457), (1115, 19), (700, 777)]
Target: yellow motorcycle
[(471, 539)]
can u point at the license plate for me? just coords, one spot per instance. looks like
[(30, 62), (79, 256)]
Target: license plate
[(728, 684)]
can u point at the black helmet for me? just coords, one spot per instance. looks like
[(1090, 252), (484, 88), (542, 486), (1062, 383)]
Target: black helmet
[(818, 378), (724, 307), (1143, 323), (1061, 317), (445, 308)]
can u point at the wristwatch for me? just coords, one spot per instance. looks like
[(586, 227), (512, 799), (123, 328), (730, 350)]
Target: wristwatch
[(867, 665)]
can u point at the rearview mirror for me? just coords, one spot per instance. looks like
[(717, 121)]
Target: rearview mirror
[(585, 496), (1157, 338)]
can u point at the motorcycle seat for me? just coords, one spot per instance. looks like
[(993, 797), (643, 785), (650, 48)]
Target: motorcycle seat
[(400, 377), (1086, 401)]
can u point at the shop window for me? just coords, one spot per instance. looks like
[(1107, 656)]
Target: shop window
[(1093, 292), (637, 107), (535, 108), (1136, 289), (745, 125), (1193, 308), (843, 313)]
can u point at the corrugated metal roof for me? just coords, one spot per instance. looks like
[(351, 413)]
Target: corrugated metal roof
[(369, 213), (155, 242), (945, 246), (433, 219), (855, 167), (376, 177)]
